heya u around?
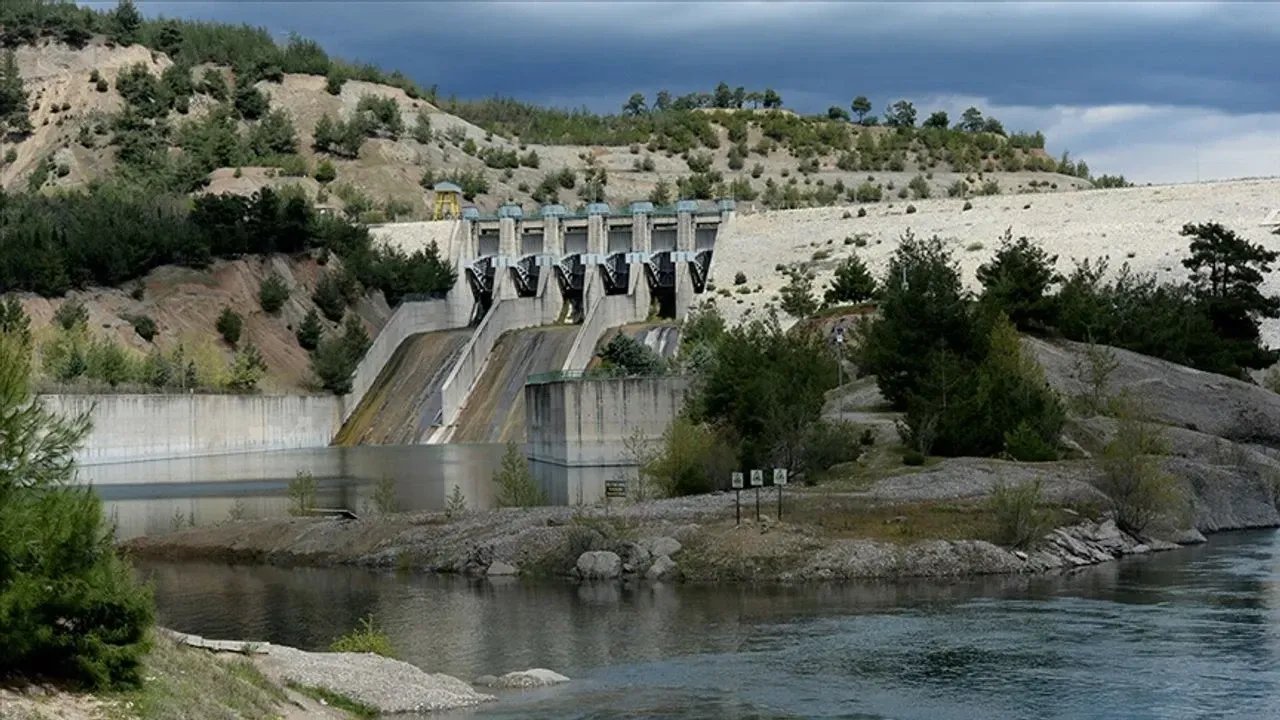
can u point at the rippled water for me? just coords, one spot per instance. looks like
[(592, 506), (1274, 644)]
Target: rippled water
[(1188, 634)]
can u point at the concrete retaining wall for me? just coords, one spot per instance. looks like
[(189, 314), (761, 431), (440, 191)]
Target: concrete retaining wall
[(585, 422), (151, 427)]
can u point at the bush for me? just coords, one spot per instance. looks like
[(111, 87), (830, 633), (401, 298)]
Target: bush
[(828, 443), (1017, 282), (247, 370), (229, 325), (144, 325), (739, 278), (914, 458), (335, 358), (796, 297), (70, 605), (691, 459), (71, 314), (1139, 490), (629, 356), (516, 486), (329, 296), (272, 293), (867, 192), (911, 209), (302, 493), (366, 638), (1021, 520), (919, 187), (309, 330)]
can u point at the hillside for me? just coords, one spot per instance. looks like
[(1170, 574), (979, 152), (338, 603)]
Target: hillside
[(75, 99), (1138, 226)]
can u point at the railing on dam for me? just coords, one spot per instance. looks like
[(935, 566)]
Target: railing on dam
[(599, 373)]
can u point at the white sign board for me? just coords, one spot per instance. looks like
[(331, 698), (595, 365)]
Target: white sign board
[(779, 476), (757, 478), (737, 480)]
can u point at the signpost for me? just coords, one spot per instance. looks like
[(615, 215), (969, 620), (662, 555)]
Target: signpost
[(779, 479), (736, 480), (614, 489), (757, 480)]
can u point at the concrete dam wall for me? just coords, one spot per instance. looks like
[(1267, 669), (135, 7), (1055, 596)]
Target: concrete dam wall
[(495, 410), (129, 428), (585, 422), (404, 403)]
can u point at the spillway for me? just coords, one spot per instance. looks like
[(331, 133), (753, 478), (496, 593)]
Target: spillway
[(404, 403), (495, 408)]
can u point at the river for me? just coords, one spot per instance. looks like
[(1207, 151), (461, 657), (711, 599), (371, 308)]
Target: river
[(1193, 633)]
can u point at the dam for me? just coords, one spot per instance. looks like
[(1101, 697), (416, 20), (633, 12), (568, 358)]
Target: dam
[(536, 293)]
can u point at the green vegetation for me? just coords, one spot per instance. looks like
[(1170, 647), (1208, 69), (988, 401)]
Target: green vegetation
[(335, 358), (852, 283), (1020, 515), (626, 356), (302, 493), (336, 700), (365, 638), (516, 486), (13, 97), (70, 606), (796, 298), (229, 325), (272, 293), (1139, 490), (309, 330)]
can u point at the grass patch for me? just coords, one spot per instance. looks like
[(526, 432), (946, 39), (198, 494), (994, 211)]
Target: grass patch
[(183, 683), (335, 700)]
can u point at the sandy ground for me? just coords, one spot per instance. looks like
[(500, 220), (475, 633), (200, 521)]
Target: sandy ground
[(1135, 225)]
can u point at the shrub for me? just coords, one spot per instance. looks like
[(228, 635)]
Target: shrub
[(335, 358), (247, 370), (329, 296), (1139, 490), (828, 443), (456, 504), (958, 189), (1017, 281), (757, 170), (796, 297), (71, 314), (691, 459), (272, 293), (867, 192), (144, 325), (1020, 518), (229, 325), (302, 493), (911, 209), (516, 486), (967, 205), (365, 638), (70, 605), (309, 330), (629, 356), (919, 187), (914, 458), (739, 278), (862, 212)]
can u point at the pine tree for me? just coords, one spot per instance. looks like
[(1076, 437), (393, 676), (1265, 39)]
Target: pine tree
[(13, 97), (852, 283), (125, 22)]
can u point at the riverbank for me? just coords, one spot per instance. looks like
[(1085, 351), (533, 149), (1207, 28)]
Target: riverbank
[(189, 677), (931, 522)]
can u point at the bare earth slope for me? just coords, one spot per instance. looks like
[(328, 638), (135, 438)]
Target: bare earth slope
[(1136, 225)]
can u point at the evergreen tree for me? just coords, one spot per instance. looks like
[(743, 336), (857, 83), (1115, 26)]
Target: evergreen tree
[(852, 283), (13, 97), (1017, 281), (860, 106), (125, 23), (1227, 273), (310, 330)]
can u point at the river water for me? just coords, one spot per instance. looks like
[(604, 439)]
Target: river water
[(1193, 633)]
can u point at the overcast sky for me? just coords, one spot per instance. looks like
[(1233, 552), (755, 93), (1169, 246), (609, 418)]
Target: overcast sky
[(1160, 92)]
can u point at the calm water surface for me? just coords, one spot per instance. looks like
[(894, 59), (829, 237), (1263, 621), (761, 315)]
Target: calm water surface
[(1188, 634)]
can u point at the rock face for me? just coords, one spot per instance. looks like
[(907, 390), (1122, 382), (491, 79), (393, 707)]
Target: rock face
[(386, 685), (599, 565), (664, 568), (498, 568), (523, 679), (662, 546)]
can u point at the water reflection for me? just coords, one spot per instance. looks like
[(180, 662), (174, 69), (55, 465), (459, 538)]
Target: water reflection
[(1147, 638), (160, 496)]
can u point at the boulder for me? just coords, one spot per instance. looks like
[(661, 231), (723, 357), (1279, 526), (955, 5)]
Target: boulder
[(664, 568), (497, 568), (635, 557), (523, 679), (663, 546), (1190, 536), (599, 565)]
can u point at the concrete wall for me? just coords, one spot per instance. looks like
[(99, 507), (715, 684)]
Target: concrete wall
[(410, 318), (585, 422), (153, 427), (505, 315), (607, 311)]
